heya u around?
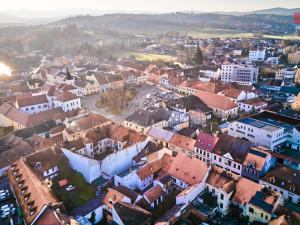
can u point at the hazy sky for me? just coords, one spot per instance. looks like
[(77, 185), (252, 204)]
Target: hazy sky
[(149, 5)]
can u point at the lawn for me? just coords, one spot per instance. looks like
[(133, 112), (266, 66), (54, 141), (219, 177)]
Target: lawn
[(76, 197)]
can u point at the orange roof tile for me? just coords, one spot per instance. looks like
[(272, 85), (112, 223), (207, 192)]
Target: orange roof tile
[(216, 101)]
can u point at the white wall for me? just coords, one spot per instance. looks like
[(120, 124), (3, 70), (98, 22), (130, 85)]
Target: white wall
[(121, 160), (89, 168)]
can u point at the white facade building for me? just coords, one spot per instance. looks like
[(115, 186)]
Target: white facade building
[(242, 74), (268, 129), (257, 55)]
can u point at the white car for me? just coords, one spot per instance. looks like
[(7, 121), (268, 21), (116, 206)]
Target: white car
[(8, 211), (7, 206), (4, 196), (70, 187)]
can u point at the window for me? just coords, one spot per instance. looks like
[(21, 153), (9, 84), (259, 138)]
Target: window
[(266, 217), (262, 215), (222, 196), (251, 210), (221, 205)]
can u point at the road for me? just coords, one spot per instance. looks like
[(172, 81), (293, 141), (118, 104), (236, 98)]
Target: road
[(135, 104)]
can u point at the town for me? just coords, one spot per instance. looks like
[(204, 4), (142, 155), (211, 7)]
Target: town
[(208, 132)]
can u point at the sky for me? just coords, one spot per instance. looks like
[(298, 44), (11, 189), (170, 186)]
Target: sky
[(148, 5)]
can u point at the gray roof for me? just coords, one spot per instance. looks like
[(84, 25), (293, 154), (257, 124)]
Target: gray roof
[(88, 207), (161, 134), (13, 148), (147, 118)]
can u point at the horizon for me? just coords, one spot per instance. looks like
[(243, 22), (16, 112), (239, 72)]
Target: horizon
[(155, 6)]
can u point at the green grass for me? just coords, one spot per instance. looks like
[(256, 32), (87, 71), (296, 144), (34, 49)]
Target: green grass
[(76, 197)]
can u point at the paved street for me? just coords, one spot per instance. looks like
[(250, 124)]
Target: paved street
[(135, 104)]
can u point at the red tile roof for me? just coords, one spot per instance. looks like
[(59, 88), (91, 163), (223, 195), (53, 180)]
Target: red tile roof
[(154, 193), (206, 141), (67, 96), (216, 101), (31, 100), (183, 142), (245, 190), (188, 169), (39, 194)]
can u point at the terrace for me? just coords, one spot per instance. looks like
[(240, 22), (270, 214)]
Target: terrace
[(206, 204)]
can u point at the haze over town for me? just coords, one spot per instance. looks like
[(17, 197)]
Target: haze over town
[(138, 112)]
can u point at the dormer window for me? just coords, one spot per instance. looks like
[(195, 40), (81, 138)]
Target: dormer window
[(38, 166)]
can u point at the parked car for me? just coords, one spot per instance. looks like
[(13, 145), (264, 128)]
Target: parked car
[(4, 191), (4, 196), (8, 212), (70, 187), (7, 206)]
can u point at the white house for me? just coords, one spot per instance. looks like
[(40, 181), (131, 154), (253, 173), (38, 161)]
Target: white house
[(32, 104), (221, 184), (252, 105), (257, 54), (68, 101)]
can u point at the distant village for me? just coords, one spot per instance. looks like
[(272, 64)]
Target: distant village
[(212, 138)]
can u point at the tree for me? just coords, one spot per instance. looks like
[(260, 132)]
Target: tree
[(198, 58)]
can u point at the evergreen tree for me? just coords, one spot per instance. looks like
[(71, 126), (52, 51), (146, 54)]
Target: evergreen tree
[(198, 58)]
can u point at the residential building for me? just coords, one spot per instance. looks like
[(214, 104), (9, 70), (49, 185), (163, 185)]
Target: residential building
[(284, 180), (34, 197), (257, 163), (44, 163), (93, 154), (268, 129), (124, 213), (262, 205), (86, 211), (204, 145), (221, 106), (294, 58), (68, 102), (252, 105), (221, 184), (182, 144), (257, 54), (142, 120), (86, 87), (32, 104), (229, 153), (242, 74)]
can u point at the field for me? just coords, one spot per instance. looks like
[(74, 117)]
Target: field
[(225, 33), (141, 56)]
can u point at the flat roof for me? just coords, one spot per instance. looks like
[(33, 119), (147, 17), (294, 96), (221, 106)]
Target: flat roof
[(260, 124)]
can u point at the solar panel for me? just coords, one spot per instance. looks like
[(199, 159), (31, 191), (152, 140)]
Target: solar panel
[(258, 124)]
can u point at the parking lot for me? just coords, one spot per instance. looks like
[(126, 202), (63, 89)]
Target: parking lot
[(16, 219), (146, 91)]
